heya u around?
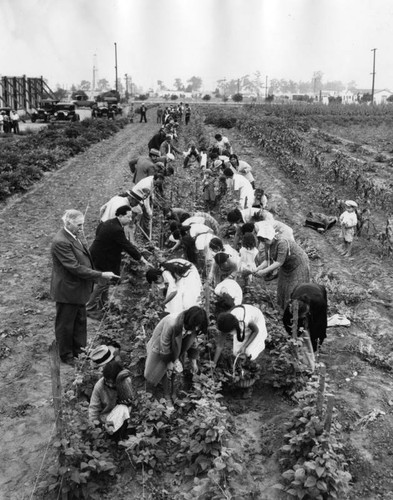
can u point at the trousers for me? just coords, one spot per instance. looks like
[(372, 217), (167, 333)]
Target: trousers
[(70, 329), (99, 296)]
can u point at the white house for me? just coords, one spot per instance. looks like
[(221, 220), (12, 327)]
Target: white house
[(381, 96)]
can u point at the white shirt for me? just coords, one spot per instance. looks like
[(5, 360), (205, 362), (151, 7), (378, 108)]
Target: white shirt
[(108, 211), (188, 288), (197, 229), (247, 314), (245, 169), (246, 191), (232, 288)]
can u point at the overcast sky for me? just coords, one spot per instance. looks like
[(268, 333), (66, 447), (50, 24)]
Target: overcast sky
[(166, 39)]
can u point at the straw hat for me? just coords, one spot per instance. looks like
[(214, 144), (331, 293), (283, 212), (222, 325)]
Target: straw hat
[(102, 354)]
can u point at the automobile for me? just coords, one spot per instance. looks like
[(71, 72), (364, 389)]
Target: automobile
[(102, 112), (45, 111), (116, 109), (65, 111)]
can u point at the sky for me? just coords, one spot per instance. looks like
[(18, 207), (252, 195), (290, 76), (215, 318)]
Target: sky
[(62, 40)]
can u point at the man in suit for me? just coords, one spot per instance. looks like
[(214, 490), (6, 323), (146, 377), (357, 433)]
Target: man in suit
[(106, 250), (73, 275)]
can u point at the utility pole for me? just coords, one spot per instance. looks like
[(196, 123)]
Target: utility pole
[(116, 67), (373, 73), (126, 78), (94, 71), (238, 86), (266, 88)]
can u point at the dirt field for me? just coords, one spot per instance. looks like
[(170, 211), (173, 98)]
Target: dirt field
[(362, 386)]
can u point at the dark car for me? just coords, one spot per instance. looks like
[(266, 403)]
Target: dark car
[(45, 111), (116, 109), (102, 112), (66, 111)]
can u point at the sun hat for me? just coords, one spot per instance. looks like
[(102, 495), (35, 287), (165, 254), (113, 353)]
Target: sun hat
[(102, 354), (351, 203), (154, 152), (266, 230)]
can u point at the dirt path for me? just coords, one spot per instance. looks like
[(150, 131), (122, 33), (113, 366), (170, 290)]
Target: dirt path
[(27, 226)]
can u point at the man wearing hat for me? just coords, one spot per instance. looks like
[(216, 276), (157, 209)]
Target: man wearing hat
[(102, 354), (143, 166), (143, 110), (167, 148), (142, 197), (157, 139)]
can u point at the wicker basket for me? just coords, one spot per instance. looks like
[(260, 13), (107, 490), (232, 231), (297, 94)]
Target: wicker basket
[(239, 381)]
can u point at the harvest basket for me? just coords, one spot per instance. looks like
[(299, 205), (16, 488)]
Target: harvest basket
[(241, 376)]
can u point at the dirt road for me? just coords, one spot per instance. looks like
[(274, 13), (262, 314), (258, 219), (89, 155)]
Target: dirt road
[(27, 225)]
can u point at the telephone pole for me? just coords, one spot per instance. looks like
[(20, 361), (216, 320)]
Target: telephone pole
[(116, 67), (373, 73), (94, 72), (126, 78)]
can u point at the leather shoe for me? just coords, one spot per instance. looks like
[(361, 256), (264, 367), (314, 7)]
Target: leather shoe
[(69, 360), (96, 315)]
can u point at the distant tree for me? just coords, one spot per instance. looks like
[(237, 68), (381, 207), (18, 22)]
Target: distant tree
[(304, 87), (225, 98), (103, 85), (174, 97), (367, 97), (120, 86), (390, 98), (73, 88), (85, 85), (60, 94), (237, 97), (188, 88), (195, 82), (222, 86), (317, 81), (352, 86), (178, 84), (206, 97), (269, 98), (335, 85), (274, 86)]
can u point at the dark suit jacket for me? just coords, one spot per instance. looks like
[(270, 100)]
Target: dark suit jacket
[(109, 242), (72, 273)]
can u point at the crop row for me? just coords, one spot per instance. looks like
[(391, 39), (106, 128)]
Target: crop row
[(25, 158)]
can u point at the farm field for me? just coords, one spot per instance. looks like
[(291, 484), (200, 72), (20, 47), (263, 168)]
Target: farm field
[(358, 359)]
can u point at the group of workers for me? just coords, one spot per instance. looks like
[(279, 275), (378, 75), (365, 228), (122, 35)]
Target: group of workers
[(260, 246)]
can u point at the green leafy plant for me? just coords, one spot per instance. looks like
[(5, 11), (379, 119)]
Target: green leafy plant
[(86, 463), (312, 458)]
